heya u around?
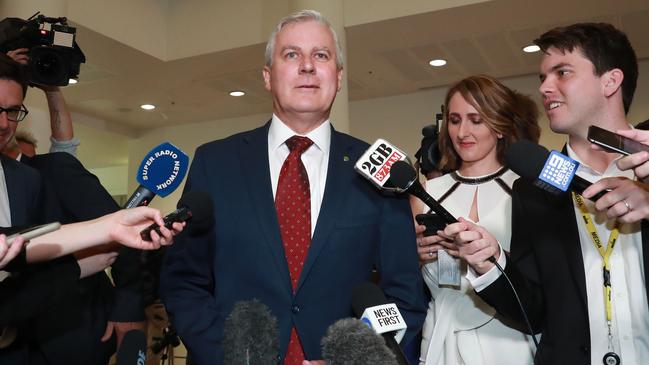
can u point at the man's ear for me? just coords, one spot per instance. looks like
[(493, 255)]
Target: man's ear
[(266, 74), (340, 79), (612, 81)]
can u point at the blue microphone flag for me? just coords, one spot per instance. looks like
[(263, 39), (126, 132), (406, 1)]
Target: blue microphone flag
[(559, 171), (163, 169)]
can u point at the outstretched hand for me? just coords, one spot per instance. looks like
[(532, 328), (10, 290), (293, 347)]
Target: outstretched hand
[(638, 162), (126, 225), (628, 200)]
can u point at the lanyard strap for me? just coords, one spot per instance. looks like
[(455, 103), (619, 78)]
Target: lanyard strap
[(605, 253)]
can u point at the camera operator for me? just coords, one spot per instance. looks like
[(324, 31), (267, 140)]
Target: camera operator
[(62, 136)]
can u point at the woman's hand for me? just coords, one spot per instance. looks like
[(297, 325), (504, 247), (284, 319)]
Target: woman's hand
[(127, 224)]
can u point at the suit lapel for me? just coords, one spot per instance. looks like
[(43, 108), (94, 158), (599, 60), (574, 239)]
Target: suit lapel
[(254, 159), (568, 237), (570, 241), (338, 172)]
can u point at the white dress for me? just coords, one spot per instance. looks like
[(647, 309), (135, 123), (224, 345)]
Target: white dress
[(460, 328)]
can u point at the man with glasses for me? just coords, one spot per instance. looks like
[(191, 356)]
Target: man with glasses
[(62, 137)]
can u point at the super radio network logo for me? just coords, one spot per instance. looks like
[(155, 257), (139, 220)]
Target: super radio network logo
[(559, 170)]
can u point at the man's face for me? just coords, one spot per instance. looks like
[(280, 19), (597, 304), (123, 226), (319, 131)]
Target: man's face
[(303, 78), (11, 96), (573, 96)]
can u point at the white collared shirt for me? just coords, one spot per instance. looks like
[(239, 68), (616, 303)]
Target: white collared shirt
[(629, 295), (5, 209), (315, 159)]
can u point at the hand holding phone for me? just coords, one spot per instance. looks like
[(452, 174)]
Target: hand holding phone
[(614, 142), (433, 223)]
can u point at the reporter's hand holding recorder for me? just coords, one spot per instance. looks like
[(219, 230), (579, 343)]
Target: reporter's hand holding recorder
[(123, 227)]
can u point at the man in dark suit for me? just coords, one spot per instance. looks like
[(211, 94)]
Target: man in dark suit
[(73, 334), (21, 205), (296, 232), (588, 76), (61, 190)]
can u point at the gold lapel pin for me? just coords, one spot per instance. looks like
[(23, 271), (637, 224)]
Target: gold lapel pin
[(345, 158)]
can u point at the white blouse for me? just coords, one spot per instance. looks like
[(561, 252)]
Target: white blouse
[(460, 327)]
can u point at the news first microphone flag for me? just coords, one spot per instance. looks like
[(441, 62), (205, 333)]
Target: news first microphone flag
[(160, 173), (385, 318)]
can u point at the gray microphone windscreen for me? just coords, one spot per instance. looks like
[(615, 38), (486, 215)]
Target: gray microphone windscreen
[(250, 335), (351, 342)]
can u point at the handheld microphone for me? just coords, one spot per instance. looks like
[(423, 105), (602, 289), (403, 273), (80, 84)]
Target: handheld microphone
[(250, 335), (404, 177), (551, 171), (371, 306), (376, 162), (195, 207), (132, 351), (160, 173), (351, 342)]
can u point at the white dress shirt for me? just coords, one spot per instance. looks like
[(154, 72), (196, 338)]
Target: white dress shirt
[(315, 159), (5, 211), (629, 295)]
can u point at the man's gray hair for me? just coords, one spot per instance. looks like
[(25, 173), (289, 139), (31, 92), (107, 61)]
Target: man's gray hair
[(298, 17)]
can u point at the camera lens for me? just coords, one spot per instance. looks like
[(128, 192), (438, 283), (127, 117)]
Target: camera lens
[(48, 67)]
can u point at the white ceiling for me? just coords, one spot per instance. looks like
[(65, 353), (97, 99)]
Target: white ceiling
[(383, 58)]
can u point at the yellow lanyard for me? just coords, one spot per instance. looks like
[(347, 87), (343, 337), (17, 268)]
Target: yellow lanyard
[(605, 253)]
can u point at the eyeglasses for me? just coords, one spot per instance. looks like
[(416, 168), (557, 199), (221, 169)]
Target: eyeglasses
[(15, 115)]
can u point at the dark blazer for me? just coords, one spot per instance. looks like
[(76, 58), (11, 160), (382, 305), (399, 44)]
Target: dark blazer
[(546, 267), (32, 289), (71, 334), (242, 257)]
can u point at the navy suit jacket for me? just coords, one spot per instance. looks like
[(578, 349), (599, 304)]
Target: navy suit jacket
[(242, 257)]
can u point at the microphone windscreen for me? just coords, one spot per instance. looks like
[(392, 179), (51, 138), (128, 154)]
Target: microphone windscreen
[(132, 351), (526, 158), (202, 208), (402, 174), (250, 335), (351, 342), (366, 295)]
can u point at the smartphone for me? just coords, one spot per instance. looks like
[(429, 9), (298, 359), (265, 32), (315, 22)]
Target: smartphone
[(614, 142), (33, 232), (433, 223)]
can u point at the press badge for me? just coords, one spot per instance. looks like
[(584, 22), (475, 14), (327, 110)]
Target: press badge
[(448, 269)]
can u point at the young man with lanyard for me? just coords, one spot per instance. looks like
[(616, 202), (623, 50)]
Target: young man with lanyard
[(584, 293)]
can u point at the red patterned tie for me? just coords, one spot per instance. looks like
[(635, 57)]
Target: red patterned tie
[(293, 205)]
